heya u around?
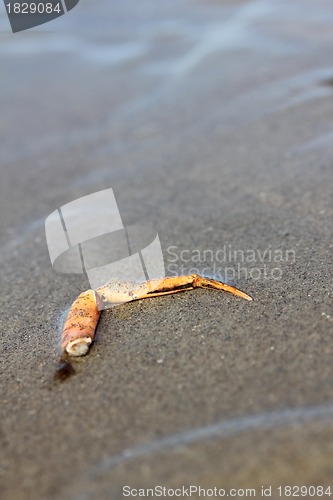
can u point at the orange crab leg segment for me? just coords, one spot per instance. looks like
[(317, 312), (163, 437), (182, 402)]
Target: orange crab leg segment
[(83, 316), (115, 292), (181, 283)]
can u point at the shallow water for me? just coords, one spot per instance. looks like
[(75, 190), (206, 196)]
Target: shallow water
[(123, 79), (220, 430), (253, 55), (212, 122)]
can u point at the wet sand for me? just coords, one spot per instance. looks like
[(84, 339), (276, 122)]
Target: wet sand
[(211, 121)]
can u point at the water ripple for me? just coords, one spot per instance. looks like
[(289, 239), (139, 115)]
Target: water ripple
[(222, 429)]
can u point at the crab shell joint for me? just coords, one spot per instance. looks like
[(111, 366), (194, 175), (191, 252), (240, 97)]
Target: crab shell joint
[(80, 325)]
